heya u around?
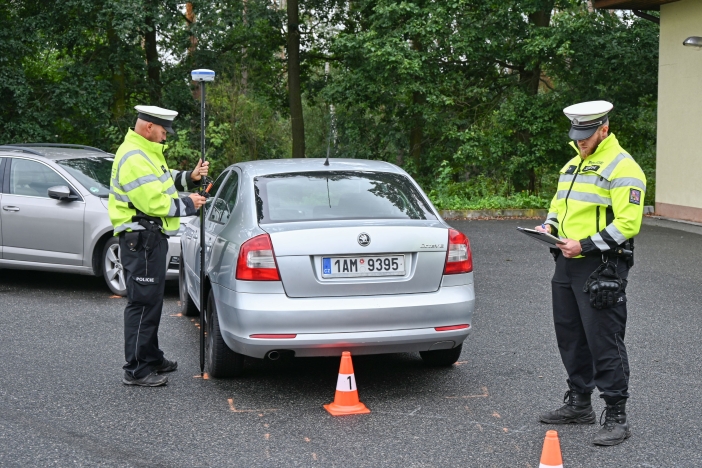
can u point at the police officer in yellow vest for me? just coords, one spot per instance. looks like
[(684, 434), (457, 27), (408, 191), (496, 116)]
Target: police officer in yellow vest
[(145, 209), (597, 212)]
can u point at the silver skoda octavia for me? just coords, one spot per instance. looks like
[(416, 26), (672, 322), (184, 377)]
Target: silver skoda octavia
[(312, 260)]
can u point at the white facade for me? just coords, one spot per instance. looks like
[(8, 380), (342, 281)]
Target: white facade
[(679, 149)]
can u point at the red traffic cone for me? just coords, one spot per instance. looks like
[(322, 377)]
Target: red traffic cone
[(346, 397), (551, 453)]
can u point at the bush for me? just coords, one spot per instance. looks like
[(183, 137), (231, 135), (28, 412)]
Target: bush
[(481, 193), (521, 200)]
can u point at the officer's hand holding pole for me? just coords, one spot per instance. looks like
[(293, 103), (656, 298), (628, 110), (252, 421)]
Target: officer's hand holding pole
[(200, 170), (198, 200)]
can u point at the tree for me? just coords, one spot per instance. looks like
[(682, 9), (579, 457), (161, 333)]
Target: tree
[(466, 95), (296, 118), (412, 71), (481, 85)]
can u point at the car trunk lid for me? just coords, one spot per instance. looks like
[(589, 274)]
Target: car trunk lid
[(300, 249)]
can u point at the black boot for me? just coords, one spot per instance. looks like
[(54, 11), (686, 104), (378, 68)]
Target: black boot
[(577, 410), (166, 366), (615, 429)]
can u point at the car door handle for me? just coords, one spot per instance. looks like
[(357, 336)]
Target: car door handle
[(10, 208)]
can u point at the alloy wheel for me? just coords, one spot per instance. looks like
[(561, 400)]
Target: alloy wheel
[(114, 273)]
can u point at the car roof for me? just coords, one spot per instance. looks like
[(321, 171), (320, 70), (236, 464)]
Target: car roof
[(54, 152), (277, 166)]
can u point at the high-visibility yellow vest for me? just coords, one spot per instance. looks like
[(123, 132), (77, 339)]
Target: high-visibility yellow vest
[(600, 199), (142, 181)]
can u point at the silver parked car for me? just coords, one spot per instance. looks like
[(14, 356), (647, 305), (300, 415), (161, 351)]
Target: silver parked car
[(313, 260), (54, 213)]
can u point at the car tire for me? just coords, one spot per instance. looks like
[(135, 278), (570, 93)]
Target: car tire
[(220, 361), (112, 269), (187, 305), (441, 357)]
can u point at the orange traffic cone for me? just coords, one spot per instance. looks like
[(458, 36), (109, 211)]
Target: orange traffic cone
[(346, 398), (551, 454)]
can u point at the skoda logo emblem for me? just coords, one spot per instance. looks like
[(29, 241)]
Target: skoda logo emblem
[(363, 239)]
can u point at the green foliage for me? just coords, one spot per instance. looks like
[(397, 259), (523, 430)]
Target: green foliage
[(255, 130), (521, 200), (480, 193), (492, 79), (466, 95)]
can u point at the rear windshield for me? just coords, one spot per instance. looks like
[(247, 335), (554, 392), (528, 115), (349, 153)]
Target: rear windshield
[(337, 195)]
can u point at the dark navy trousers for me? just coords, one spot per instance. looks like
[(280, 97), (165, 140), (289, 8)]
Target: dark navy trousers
[(591, 341), (145, 276)]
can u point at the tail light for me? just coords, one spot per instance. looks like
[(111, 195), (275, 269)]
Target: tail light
[(452, 327), (459, 258), (257, 260)]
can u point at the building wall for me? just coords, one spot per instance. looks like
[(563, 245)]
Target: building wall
[(679, 151)]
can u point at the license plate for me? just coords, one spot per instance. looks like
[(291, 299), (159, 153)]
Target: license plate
[(349, 267)]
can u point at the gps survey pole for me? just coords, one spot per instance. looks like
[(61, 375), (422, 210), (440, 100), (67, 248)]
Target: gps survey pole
[(202, 76)]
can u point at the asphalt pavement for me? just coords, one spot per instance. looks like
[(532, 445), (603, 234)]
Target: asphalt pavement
[(62, 402)]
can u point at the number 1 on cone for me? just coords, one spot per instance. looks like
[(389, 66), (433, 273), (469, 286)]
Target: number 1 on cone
[(346, 383)]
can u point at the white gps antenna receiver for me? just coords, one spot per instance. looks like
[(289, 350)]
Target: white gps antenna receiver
[(202, 74)]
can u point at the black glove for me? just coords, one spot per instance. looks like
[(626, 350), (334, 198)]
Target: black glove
[(605, 286)]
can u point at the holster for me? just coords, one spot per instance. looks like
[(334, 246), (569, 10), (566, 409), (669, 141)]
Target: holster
[(630, 258), (152, 229)]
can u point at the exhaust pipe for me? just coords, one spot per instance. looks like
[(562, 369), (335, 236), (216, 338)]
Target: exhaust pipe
[(273, 355)]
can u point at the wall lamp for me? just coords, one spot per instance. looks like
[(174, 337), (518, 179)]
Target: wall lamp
[(693, 41)]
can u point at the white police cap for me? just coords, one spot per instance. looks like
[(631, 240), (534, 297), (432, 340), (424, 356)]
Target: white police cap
[(157, 115), (586, 117)]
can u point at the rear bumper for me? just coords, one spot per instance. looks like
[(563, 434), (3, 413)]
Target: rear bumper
[(329, 325), (333, 344)]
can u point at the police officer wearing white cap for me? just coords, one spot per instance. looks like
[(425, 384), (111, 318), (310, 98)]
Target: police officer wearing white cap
[(145, 208), (596, 212)]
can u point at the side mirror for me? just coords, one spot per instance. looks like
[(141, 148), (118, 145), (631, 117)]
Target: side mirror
[(62, 193)]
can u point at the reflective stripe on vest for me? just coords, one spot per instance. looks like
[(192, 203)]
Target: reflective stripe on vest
[(120, 197), (177, 208), (628, 182), (585, 179), (143, 180), (132, 226), (609, 169), (584, 197)]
